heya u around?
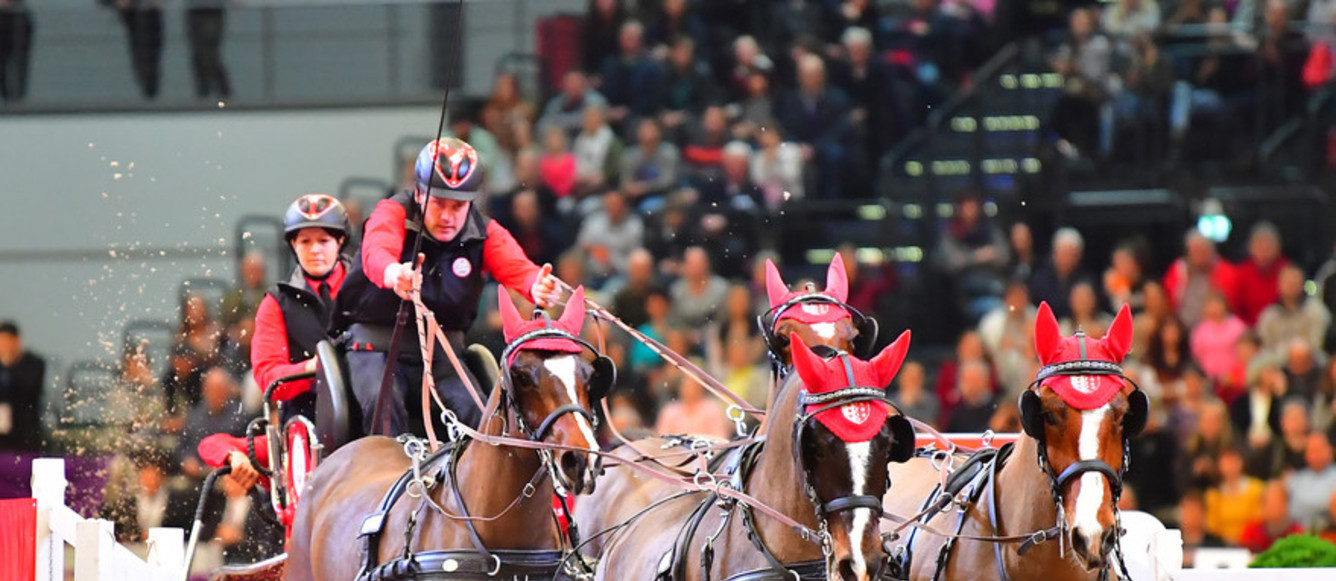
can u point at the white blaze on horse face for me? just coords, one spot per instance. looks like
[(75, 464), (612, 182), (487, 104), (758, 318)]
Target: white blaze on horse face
[(1091, 497), (824, 330), (859, 462), (563, 368)]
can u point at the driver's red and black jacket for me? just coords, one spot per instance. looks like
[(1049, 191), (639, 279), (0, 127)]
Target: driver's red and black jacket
[(290, 322)]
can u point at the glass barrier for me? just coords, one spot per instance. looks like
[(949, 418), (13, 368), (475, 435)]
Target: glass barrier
[(110, 55)]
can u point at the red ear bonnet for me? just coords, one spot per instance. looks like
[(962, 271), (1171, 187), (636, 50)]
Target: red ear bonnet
[(1082, 392), (513, 326), (859, 421), (837, 287)]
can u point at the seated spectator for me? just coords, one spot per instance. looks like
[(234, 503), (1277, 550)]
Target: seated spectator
[(1235, 501), (631, 80), (1184, 416), (845, 15), (602, 22), (656, 326), (703, 148), (571, 266), (464, 124), (1131, 18), (1007, 333), (626, 415), (1192, 524), (1201, 453), (22, 379), (151, 499), (777, 167), (747, 60), (1282, 452), (1275, 71), (755, 112), (743, 372), (608, 236), (244, 299), (1259, 276), (1312, 486), (1256, 415), (1053, 282), (1125, 280), (911, 394), (199, 333), (216, 413), (1244, 373), (694, 412), (1303, 370), (675, 20), (1086, 315), (870, 283), (557, 165), (969, 348), (818, 117), (1023, 263), (1085, 60), (1167, 357), (687, 85), (566, 110), (1214, 338), (598, 152), (738, 325), (649, 170), (1294, 315), (629, 300), (698, 296), (1273, 524), (971, 252), (976, 404), (142, 394), (541, 240), (1191, 278), (1144, 324), (506, 112), (874, 88), (234, 352)]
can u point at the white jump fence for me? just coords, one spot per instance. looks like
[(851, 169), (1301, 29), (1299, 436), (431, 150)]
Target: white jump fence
[(97, 555)]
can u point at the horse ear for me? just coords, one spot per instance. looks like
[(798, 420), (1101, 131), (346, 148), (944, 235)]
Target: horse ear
[(809, 365), (887, 363), (1118, 341), (572, 319), (1047, 335), (511, 321), (775, 288), (837, 279)]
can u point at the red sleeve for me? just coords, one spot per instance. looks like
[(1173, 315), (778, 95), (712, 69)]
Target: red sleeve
[(213, 450), (269, 352), (503, 257), (382, 240)]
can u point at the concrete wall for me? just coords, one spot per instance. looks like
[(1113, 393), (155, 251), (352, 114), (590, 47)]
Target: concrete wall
[(103, 216)]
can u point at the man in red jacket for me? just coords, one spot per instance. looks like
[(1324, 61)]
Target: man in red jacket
[(1259, 275), (461, 244)]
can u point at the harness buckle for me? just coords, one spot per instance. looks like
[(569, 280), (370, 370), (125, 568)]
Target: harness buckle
[(735, 413), (704, 480), (495, 568)]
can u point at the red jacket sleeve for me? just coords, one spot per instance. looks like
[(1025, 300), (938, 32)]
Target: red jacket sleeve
[(382, 240), (269, 352), (213, 450), (503, 257)]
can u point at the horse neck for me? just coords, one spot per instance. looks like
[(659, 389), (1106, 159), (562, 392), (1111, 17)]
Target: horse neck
[(1025, 505), (778, 480), (492, 477)]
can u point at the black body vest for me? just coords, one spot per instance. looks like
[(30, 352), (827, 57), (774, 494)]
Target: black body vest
[(304, 317), (452, 280)]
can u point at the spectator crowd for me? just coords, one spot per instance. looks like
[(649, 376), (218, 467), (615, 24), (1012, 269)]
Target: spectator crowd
[(654, 176)]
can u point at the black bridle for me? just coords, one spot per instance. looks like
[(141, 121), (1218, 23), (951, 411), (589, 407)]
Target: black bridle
[(767, 321), (508, 383)]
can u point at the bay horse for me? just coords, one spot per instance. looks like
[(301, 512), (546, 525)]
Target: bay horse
[(815, 317), (348, 525), (821, 461), (1055, 494)]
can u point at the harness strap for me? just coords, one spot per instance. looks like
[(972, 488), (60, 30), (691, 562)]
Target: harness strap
[(804, 571), (570, 408), (867, 501), (373, 524), (1082, 466), (462, 565)]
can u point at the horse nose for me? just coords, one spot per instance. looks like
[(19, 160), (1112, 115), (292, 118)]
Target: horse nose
[(847, 569), (1090, 546), (574, 466)]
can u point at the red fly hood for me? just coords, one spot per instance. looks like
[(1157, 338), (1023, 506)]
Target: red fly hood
[(513, 326), (1082, 392), (837, 287), (859, 421)]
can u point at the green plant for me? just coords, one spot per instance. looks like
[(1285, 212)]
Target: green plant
[(1297, 551)]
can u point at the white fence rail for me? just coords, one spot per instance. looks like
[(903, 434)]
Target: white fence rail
[(97, 555)]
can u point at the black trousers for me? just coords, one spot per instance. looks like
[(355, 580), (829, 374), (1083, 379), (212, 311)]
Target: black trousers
[(15, 53), (143, 31), (366, 368), (205, 28)]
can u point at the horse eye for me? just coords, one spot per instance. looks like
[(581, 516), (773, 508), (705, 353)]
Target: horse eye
[(1051, 418)]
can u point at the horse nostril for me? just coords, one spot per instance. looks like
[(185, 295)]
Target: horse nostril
[(845, 567), (1079, 543), (572, 464)]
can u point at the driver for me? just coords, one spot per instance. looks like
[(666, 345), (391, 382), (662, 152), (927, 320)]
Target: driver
[(460, 245)]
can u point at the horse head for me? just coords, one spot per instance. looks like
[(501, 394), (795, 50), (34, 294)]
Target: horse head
[(845, 434), (550, 386), (1081, 410), (817, 318)]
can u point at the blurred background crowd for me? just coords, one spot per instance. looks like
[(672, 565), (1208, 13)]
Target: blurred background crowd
[(682, 132)]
